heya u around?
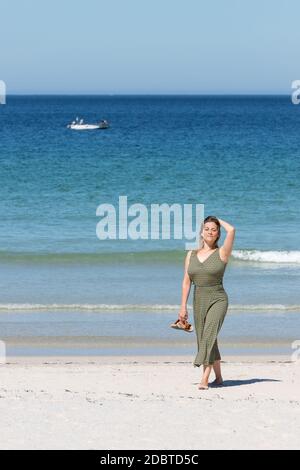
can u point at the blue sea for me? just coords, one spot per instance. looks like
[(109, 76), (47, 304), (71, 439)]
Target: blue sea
[(65, 291)]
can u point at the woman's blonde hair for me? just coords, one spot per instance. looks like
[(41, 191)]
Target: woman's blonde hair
[(210, 218)]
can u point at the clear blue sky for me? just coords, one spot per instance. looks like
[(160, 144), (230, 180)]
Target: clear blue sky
[(149, 46)]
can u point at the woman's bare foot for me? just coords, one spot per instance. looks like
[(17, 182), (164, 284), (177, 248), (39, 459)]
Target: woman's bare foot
[(217, 382), (203, 386)]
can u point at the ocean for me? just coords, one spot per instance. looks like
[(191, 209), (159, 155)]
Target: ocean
[(65, 291)]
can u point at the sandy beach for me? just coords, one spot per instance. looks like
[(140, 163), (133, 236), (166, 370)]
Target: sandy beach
[(148, 402)]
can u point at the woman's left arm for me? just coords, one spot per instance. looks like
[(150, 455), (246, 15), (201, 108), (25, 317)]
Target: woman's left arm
[(225, 250)]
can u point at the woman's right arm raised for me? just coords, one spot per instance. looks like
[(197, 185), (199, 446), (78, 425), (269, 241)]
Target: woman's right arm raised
[(186, 285)]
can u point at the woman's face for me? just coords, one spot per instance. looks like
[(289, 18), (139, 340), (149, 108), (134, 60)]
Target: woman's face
[(210, 232)]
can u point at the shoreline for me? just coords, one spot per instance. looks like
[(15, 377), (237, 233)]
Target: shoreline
[(139, 359)]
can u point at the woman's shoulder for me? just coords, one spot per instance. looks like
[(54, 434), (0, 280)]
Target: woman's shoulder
[(189, 254)]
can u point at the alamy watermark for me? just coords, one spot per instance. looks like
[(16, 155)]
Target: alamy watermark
[(140, 222), (2, 352), (295, 357), (296, 93), (2, 92)]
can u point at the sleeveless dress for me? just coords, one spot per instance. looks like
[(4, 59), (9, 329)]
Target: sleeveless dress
[(210, 303)]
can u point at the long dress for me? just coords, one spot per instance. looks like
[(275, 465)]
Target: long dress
[(210, 303)]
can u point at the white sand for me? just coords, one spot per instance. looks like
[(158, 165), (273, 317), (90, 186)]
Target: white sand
[(147, 403)]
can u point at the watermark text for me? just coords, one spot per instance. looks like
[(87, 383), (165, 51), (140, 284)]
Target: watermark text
[(2, 92), (296, 93), (160, 221)]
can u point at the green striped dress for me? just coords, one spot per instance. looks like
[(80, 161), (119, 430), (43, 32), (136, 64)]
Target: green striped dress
[(210, 303)]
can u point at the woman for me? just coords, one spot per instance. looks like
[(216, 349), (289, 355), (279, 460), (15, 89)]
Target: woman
[(205, 269)]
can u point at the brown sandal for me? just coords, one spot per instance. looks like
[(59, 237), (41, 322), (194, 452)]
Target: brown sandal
[(185, 326)]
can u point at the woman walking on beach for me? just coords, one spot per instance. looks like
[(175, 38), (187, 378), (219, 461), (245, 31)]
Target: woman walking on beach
[(205, 269)]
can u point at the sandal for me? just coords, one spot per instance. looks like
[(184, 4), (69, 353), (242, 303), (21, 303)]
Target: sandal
[(179, 325)]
